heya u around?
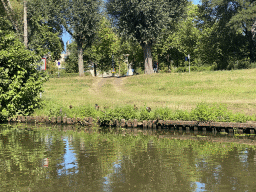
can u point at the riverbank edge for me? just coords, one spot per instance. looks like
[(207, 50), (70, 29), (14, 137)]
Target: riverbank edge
[(229, 127)]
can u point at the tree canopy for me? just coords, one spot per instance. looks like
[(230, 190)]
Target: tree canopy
[(143, 21), (79, 18)]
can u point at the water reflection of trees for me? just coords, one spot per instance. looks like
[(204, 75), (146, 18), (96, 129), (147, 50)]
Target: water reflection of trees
[(118, 161), (22, 156), (230, 172)]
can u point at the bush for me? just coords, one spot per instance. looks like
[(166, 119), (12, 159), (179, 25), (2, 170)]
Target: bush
[(123, 68), (139, 71), (71, 65), (244, 63), (51, 67), (182, 69), (164, 69), (20, 82)]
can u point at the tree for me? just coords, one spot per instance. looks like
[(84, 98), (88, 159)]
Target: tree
[(13, 13), (79, 18), (183, 39), (71, 60), (226, 26), (44, 33), (20, 82), (40, 33), (107, 45), (243, 22), (143, 21)]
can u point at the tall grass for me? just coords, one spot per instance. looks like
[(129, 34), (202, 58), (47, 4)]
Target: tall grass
[(203, 112)]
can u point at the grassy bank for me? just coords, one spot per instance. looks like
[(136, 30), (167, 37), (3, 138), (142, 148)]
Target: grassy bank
[(220, 95)]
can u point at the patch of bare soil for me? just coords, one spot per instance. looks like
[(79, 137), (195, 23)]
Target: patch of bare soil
[(118, 83), (97, 85)]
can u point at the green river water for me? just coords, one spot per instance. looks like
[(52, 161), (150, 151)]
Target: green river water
[(91, 159)]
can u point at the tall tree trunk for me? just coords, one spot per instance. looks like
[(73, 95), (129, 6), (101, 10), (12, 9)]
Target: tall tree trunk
[(147, 58), (80, 59), (25, 25), (94, 68)]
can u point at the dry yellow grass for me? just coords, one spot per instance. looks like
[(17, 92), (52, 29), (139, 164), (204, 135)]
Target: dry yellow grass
[(236, 89)]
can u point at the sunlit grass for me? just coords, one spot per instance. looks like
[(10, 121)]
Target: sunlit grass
[(184, 91)]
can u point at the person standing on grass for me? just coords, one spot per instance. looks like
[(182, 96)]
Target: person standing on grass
[(155, 67)]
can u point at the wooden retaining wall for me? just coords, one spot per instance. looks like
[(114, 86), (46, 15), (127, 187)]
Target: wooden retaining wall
[(157, 124)]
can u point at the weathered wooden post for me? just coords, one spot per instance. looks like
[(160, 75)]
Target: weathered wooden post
[(129, 123), (117, 123), (150, 124), (28, 119), (123, 123), (240, 130), (53, 120), (69, 121), (223, 130), (59, 120), (64, 120), (145, 124), (135, 123), (160, 124), (73, 120)]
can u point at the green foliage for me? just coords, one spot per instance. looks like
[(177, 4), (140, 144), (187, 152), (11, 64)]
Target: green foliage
[(80, 19), (183, 38), (139, 70), (244, 64), (44, 34), (107, 45), (181, 69), (123, 68), (71, 64), (20, 82), (143, 21), (203, 112), (226, 27), (14, 14), (51, 67)]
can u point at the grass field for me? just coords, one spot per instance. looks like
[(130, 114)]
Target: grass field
[(183, 91)]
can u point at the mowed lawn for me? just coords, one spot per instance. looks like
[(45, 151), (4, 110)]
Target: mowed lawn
[(235, 89)]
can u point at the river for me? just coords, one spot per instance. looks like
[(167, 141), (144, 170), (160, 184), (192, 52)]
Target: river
[(41, 158)]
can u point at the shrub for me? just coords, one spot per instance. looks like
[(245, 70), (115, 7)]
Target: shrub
[(20, 82), (244, 63), (164, 69), (182, 69), (51, 67), (139, 71), (123, 68)]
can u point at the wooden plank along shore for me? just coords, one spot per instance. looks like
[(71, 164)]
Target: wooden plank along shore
[(230, 127)]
